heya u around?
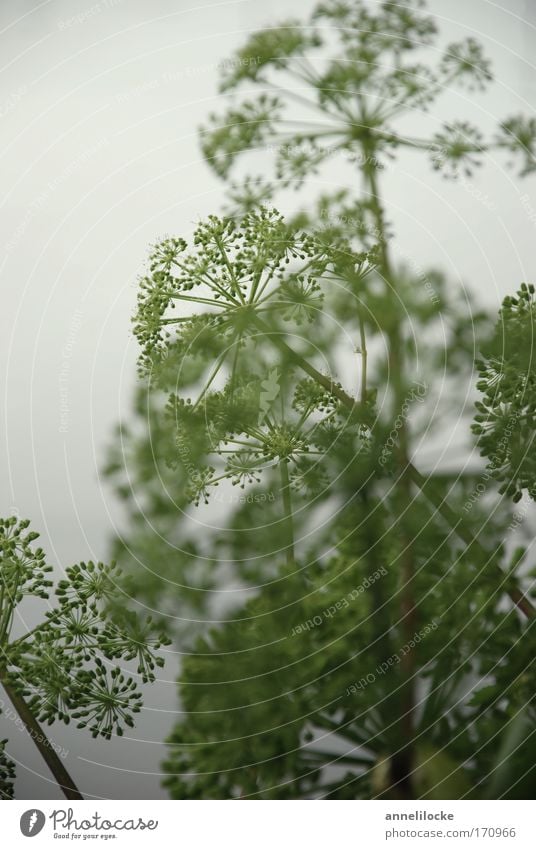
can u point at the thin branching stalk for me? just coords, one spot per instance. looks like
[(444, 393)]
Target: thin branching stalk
[(427, 487), (287, 509), (46, 750)]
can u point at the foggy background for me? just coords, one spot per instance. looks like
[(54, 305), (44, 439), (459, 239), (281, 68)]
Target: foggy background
[(99, 108)]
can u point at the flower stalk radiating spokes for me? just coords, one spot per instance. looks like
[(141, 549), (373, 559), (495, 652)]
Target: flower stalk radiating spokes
[(63, 667), (255, 281)]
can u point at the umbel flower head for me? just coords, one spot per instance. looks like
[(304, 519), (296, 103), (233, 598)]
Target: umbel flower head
[(66, 666), (238, 273), (506, 418), (337, 83), (231, 268), (251, 282)]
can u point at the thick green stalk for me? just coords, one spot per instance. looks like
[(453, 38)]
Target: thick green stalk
[(364, 357), (402, 761), (355, 407), (49, 755), (427, 487)]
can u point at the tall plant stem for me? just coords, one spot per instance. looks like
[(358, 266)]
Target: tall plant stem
[(427, 487), (49, 755), (287, 509), (402, 761), (364, 356)]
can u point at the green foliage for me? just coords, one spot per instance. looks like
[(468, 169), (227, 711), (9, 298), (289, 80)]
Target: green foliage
[(347, 626), (268, 48), (256, 275), (518, 135), (248, 126), (297, 695), (506, 418), (456, 148), (64, 668), (238, 265), (465, 62), (7, 773), (360, 96)]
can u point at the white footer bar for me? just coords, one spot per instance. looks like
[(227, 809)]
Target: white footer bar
[(270, 824)]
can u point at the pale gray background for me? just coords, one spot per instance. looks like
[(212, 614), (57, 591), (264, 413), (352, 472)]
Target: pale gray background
[(99, 157)]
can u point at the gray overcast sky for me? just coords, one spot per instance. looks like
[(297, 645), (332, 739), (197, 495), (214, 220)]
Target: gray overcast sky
[(99, 105)]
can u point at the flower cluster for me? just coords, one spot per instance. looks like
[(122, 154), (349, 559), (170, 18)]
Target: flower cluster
[(269, 47), (243, 128), (359, 95), (249, 278), (7, 773), (456, 149), (65, 664), (392, 27), (506, 418), (466, 63), (518, 135), (268, 404)]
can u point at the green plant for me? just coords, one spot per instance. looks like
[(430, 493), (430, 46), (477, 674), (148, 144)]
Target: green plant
[(295, 357), (506, 418), (63, 668)]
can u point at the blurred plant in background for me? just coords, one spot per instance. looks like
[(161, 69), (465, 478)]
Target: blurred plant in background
[(293, 360)]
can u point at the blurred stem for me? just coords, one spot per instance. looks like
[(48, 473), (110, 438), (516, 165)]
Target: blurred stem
[(426, 486), (403, 760), (8, 604), (287, 510), (374, 535), (364, 354), (49, 755)]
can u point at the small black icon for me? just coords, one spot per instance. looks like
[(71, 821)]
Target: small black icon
[(31, 822)]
